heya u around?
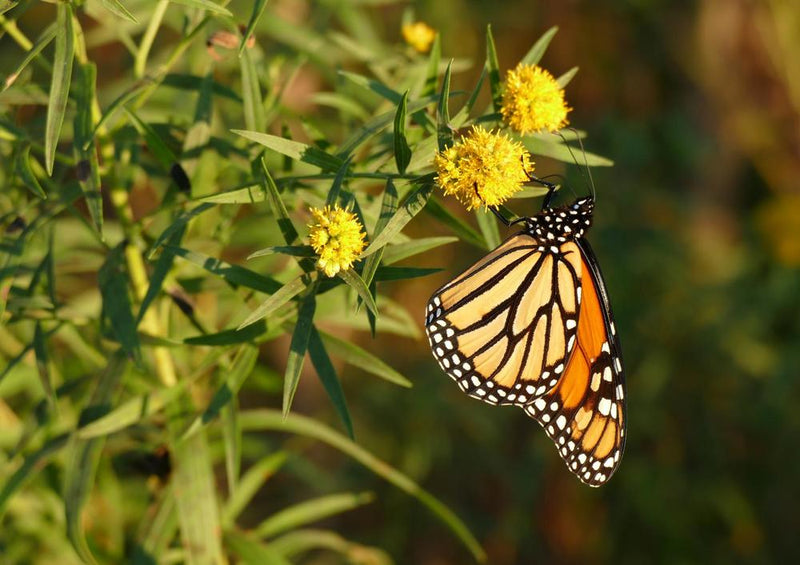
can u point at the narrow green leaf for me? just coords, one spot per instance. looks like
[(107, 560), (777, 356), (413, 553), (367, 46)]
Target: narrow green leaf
[(285, 224), (388, 208), (160, 272), (336, 187), (444, 132), (30, 468), (270, 419), (567, 77), (535, 53), (232, 441), (42, 363), (462, 230), (564, 153), (251, 551), (254, 116), (6, 5), (229, 337), (246, 195), (310, 511), (488, 225), (278, 299), (294, 149), (258, 9), (195, 83), (179, 224), (43, 41), (373, 85), (234, 274), (355, 282), (85, 455), (59, 86), (385, 273), (476, 91), (291, 250), (160, 151), (88, 170), (361, 358), (492, 66), (118, 103), (432, 72), (118, 8), (346, 105), (205, 5), (415, 202), (250, 483), (395, 253), (402, 152), (328, 377), (113, 284), (25, 172), (297, 349)]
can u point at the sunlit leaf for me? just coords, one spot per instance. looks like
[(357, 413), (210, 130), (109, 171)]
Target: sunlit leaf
[(59, 86)]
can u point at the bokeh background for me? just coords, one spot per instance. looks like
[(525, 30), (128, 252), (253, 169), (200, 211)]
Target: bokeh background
[(698, 233)]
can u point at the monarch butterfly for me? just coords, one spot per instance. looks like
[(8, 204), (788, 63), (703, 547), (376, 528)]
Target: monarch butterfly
[(530, 325)]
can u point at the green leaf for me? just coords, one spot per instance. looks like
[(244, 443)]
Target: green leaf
[(118, 8), (462, 230), (43, 41), (253, 552), (395, 253), (88, 166), (492, 66), (297, 349), (229, 337), (361, 358), (373, 85), (535, 53), (567, 77), (249, 194), (118, 103), (32, 465), (254, 116), (85, 455), (25, 172), (160, 272), (294, 149), (205, 5), (278, 299), (179, 224), (402, 273), (250, 483), (488, 224), (291, 250), (162, 153), (388, 208), (328, 377), (270, 419), (234, 274), (432, 72), (258, 9), (563, 152), (402, 152), (285, 224), (116, 304), (310, 511), (336, 187), (444, 132), (59, 86), (354, 281), (42, 364), (413, 204)]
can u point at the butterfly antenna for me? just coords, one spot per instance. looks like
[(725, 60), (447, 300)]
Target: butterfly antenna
[(587, 179)]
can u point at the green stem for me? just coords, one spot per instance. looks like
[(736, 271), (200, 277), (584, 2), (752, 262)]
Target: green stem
[(140, 62)]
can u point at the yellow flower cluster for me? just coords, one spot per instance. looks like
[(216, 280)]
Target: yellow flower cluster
[(483, 168), (337, 238), (419, 35), (533, 100)]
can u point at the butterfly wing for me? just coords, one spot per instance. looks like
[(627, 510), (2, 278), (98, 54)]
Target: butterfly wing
[(584, 413), (505, 328)]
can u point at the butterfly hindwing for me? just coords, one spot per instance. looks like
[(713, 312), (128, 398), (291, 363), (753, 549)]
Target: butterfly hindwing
[(504, 329), (584, 413)]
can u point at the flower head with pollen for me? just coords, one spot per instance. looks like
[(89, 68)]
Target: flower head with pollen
[(419, 35), (483, 168), (337, 238), (533, 100)]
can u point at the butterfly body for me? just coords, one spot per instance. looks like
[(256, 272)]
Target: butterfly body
[(530, 325)]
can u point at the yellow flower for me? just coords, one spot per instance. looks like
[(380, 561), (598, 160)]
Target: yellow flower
[(337, 238), (483, 168), (419, 35), (533, 100)]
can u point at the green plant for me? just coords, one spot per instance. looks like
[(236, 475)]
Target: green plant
[(133, 192)]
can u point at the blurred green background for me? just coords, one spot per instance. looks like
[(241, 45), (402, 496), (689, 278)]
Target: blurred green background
[(697, 229)]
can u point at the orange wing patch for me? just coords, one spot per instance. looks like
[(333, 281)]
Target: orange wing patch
[(505, 328), (584, 412)]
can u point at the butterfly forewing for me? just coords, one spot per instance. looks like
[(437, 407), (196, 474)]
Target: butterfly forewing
[(504, 329), (584, 414)]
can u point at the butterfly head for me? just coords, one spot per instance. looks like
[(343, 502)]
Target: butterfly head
[(562, 224)]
